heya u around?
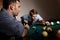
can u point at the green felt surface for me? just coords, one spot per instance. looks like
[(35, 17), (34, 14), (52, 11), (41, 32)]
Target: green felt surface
[(31, 33)]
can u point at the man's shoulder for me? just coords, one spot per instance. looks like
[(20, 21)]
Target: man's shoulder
[(4, 13), (5, 18), (38, 15), (25, 16)]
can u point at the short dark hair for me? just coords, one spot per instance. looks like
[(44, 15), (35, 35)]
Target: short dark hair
[(33, 12), (6, 3)]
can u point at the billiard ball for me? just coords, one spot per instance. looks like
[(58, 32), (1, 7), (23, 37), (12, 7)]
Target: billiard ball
[(34, 27), (52, 23), (44, 34), (36, 31), (58, 22), (44, 28), (58, 34), (58, 31), (49, 29)]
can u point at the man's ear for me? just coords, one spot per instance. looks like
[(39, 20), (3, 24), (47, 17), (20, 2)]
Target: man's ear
[(12, 7)]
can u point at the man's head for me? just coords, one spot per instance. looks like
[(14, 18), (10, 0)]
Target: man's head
[(12, 5), (33, 14)]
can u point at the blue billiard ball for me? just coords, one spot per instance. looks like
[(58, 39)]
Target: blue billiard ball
[(36, 31)]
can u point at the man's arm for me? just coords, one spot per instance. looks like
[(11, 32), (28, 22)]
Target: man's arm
[(14, 27), (44, 22), (24, 21), (23, 29), (26, 28)]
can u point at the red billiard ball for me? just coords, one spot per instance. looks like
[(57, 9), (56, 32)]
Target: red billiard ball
[(58, 34)]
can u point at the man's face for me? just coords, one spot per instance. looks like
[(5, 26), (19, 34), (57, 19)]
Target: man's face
[(34, 16), (16, 8)]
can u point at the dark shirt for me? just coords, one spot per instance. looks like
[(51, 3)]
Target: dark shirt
[(10, 25)]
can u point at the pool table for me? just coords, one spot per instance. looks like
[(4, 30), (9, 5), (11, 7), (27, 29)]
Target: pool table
[(36, 30)]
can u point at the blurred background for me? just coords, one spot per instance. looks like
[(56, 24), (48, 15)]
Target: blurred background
[(48, 9)]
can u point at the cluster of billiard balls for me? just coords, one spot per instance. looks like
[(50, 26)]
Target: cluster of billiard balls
[(45, 33), (57, 22)]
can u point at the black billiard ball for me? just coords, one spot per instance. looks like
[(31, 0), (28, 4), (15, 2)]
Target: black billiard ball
[(36, 31)]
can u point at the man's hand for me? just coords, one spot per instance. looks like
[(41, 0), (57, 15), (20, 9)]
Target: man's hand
[(26, 28), (44, 22), (26, 21), (47, 23)]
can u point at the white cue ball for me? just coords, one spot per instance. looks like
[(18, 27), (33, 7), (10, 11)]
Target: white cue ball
[(52, 23), (57, 22)]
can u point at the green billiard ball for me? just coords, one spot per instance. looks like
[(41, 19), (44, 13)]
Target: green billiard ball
[(34, 27)]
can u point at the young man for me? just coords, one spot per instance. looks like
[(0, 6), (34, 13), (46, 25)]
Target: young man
[(32, 18), (9, 25)]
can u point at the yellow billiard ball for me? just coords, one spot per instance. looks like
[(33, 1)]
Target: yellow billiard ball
[(44, 34)]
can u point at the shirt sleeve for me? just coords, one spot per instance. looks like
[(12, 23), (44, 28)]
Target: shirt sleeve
[(39, 17), (24, 19)]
